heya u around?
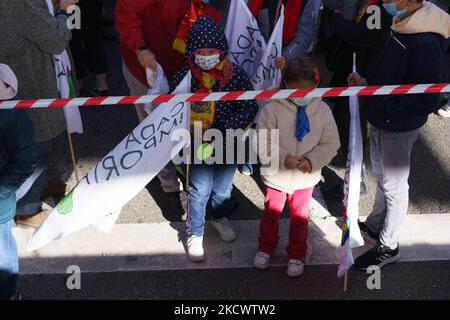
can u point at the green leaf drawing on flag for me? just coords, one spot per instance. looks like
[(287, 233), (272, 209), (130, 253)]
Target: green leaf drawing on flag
[(65, 206), (73, 92)]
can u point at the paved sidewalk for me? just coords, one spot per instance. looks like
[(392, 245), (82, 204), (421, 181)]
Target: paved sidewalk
[(158, 246)]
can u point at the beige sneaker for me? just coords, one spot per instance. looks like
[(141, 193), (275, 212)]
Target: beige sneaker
[(261, 260), (32, 221), (195, 250), (295, 268)]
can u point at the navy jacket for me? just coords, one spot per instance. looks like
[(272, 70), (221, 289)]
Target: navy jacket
[(17, 158), (406, 59)]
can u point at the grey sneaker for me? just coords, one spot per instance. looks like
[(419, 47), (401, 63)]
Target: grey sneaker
[(225, 229)]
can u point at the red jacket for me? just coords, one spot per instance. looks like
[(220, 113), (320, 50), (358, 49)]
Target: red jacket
[(154, 24)]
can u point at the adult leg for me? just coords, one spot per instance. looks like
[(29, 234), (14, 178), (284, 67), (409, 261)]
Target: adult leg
[(376, 218), (92, 38), (395, 158)]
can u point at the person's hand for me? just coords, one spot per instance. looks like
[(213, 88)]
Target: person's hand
[(65, 4), (147, 59), (280, 63), (354, 79), (305, 165), (291, 162)]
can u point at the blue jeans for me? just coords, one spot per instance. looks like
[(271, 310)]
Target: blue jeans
[(31, 201), (208, 181), (9, 262)]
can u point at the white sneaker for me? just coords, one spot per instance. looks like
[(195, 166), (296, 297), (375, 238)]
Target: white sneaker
[(444, 112), (261, 260), (194, 246), (295, 268), (225, 229)]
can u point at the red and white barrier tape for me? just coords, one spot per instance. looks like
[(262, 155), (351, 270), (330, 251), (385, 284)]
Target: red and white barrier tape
[(230, 96)]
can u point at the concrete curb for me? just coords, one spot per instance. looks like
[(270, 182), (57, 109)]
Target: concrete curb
[(159, 246)]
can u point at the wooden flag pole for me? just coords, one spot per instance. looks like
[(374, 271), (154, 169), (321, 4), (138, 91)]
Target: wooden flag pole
[(72, 154)]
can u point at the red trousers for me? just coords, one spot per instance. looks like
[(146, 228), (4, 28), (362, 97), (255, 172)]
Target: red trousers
[(299, 203)]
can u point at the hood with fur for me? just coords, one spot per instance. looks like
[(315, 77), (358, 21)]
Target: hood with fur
[(429, 18)]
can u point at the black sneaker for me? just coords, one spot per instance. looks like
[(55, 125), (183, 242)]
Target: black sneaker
[(367, 234), (380, 255), (99, 93)]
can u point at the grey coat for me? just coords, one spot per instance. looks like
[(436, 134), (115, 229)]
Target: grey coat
[(307, 28), (29, 37)]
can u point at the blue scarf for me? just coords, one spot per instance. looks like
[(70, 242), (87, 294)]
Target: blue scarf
[(302, 125)]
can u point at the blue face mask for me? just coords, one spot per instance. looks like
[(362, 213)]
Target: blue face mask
[(302, 102), (391, 8)]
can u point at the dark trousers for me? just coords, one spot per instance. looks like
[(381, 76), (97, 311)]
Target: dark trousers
[(86, 44)]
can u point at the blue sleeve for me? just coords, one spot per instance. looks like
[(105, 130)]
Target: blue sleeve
[(21, 151), (305, 35)]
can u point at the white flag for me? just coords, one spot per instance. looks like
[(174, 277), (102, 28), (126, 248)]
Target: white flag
[(66, 87), (351, 235), (245, 40), (121, 175), (265, 74)]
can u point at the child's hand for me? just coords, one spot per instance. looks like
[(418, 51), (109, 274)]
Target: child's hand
[(280, 63), (305, 165), (292, 162)]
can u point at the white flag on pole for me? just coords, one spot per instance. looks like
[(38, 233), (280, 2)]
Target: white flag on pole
[(265, 75), (245, 40), (66, 87), (120, 176), (351, 235)]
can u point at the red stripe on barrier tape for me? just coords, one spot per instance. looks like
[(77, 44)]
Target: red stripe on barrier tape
[(197, 97), (403, 89), (58, 103), (232, 95), (25, 104), (436, 88), (163, 98), (368, 91), (334, 92), (95, 101), (300, 93), (266, 95), (128, 100)]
